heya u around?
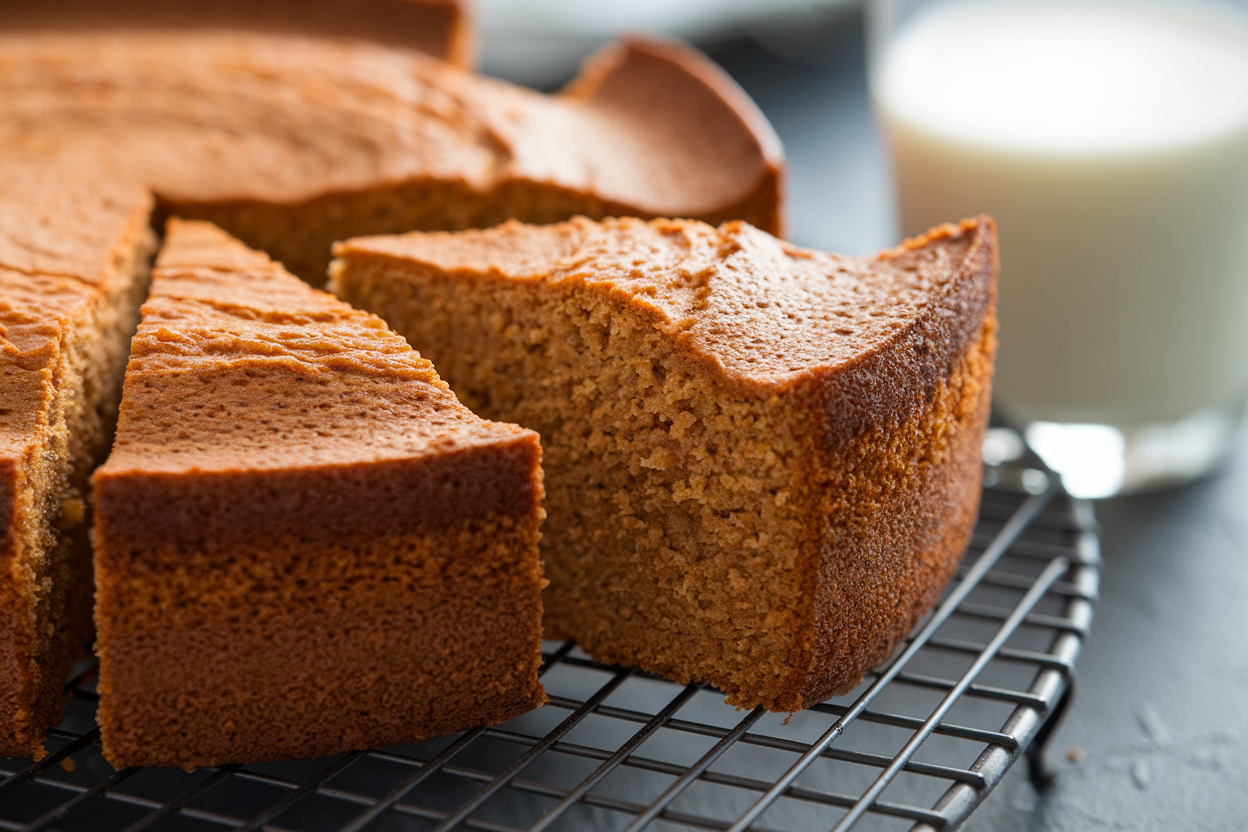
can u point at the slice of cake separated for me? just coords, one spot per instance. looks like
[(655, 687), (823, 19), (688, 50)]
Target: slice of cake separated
[(762, 462), (304, 543), (74, 255)]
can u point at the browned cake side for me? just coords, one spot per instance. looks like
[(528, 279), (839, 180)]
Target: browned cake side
[(69, 299), (762, 463), (291, 142), (304, 543)]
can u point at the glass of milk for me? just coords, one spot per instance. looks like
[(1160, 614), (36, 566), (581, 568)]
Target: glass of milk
[(1110, 142)]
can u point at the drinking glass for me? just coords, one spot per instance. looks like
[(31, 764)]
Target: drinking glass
[(1110, 142)]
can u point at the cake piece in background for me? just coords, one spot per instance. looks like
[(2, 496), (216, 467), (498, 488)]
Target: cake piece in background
[(762, 462), (304, 543), (74, 257), (290, 142)]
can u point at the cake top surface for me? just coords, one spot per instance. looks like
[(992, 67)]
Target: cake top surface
[(65, 236), (217, 115), (69, 218), (763, 310), (238, 365)]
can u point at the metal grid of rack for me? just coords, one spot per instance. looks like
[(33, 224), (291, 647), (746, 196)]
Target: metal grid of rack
[(918, 745)]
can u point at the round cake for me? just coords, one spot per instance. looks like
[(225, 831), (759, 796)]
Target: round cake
[(290, 125), (292, 142)]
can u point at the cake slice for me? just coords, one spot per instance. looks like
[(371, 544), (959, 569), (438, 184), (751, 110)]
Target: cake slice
[(762, 462), (304, 543), (74, 255)]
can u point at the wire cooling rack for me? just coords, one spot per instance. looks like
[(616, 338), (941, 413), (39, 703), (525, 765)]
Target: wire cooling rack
[(918, 745)]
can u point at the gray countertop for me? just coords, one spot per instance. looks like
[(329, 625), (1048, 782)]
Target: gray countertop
[(1157, 737)]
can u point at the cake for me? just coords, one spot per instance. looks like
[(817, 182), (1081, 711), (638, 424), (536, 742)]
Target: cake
[(304, 543), (762, 462), (73, 265), (291, 142), (291, 125)]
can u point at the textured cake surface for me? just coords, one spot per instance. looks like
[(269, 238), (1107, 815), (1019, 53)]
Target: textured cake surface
[(304, 543), (762, 462), (73, 265), (291, 142)]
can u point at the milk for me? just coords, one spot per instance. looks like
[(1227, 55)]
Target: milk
[(1110, 142)]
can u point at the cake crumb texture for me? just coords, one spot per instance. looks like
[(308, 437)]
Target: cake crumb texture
[(74, 256), (762, 462), (304, 543)]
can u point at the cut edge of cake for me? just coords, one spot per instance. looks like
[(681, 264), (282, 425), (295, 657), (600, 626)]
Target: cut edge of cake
[(65, 325)]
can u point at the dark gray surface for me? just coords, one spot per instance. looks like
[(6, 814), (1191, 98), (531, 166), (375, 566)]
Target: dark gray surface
[(1160, 724), (1161, 719)]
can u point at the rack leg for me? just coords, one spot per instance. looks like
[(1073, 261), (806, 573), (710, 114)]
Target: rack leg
[(1039, 772)]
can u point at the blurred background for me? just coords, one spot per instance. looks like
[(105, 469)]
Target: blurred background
[(540, 42)]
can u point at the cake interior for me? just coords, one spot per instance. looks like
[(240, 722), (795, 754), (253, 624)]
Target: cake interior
[(679, 504), (69, 340)]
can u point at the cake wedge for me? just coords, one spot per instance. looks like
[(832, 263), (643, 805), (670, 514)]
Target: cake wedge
[(762, 462), (74, 259), (304, 544)]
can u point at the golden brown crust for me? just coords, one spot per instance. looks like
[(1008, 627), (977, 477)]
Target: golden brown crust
[(766, 314), (298, 502), (259, 652), (762, 462), (69, 218), (897, 545), (887, 551)]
